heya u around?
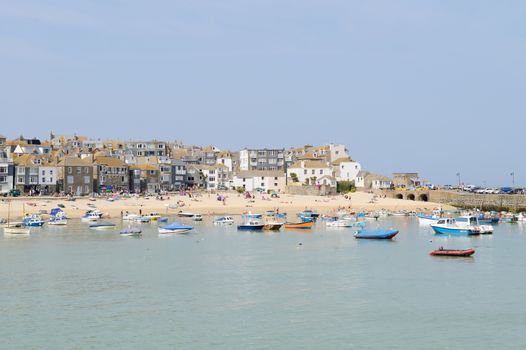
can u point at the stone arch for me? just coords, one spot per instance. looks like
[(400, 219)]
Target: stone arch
[(411, 197), (399, 196), (423, 197)]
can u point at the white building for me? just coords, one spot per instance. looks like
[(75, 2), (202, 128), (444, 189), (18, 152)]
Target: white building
[(273, 181), (326, 180), (345, 169), (48, 175), (307, 171), (217, 177)]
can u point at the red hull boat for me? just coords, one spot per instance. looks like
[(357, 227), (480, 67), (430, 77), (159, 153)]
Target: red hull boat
[(453, 252)]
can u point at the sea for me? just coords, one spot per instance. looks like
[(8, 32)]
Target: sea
[(219, 288)]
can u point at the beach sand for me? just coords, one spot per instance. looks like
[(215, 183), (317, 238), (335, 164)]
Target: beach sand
[(209, 205)]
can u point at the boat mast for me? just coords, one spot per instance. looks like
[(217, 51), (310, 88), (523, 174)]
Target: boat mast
[(8, 211)]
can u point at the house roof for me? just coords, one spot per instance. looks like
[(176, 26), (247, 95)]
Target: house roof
[(75, 161), (342, 160), (146, 167), (362, 173), (24, 160), (110, 161)]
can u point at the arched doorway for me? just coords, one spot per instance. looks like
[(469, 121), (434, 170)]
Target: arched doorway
[(423, 197), (411, 197), (399, 196)]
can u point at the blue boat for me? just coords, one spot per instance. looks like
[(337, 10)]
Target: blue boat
[(463, 225), (376, 234), (308, 214), (251, 226), (33, 221), (175, 227)]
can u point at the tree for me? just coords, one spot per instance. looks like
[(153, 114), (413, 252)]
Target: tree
[(294, 177)]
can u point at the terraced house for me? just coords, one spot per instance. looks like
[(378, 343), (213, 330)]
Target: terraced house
[(110, 174), (76, 176), (26, 173), (7, 172)]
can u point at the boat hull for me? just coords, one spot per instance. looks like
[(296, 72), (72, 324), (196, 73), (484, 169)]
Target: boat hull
[(300, 225), (454, 230), (176, 231), (272, 227), (453, 252), (250, 227), (376, 234)]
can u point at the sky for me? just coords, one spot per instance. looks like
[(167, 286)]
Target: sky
[(436, 87)]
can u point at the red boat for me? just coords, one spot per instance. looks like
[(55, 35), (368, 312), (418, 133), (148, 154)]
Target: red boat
[(452, 252)]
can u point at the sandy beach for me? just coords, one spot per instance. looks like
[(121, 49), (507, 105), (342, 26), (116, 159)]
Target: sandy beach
[(209, 205)]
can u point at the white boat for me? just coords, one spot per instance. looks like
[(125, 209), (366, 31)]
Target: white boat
[(90, 217), (58, 221), (131, 232), (224, 220), (340, 223), (102, 226), (185, 214), (16, 229), (463, 225), (131, 217), (521, 217)]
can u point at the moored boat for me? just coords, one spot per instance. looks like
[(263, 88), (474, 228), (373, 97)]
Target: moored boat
[(131, 231), (224, 220), (16, 229), (452, 252), (272, 226), (34, 220), (251, 225), (197, 217), (102, 226), (300, 225), (185, 214), (175, 227), (376, 234)]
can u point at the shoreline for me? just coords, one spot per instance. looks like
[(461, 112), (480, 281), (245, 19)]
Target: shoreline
[(206, 204)]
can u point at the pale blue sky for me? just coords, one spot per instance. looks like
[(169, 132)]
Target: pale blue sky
[(430, 86)]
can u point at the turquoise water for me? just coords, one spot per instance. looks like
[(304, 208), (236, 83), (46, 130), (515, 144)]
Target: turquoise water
[(72, 288)]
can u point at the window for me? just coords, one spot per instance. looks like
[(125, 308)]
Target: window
[(262, 178), (276, 184), (276, 178), (70, 179), (43, 179), (305, 171), (20, 179), (86, 179), (86, 170), (70, 170), (321, 171), (313, 171), (21, 170), (262, 184), (79, 170), (43, 172), (3, 179)]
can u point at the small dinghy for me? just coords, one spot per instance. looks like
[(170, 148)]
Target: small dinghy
[(132, 231), (452, 252), (102, 226), (376, 234)]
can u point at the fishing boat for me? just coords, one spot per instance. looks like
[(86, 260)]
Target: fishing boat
[(272, 226), (463, 225), (131, 232), (102, 226), (34, 220), (224, 220), (299, 225), (57, 217), (488, 220), (509, 218), (376, 234), (251, 225), (281, 215), (197, 217), (175, 227), (452, 252)]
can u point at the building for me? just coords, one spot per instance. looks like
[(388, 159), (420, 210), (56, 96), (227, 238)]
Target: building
[(144, 178), (406, 180), (26, 173), (326, 180), (48, 177), (345, 169), (147, 148), (264, 180), (194, 177), (262, 159), (307, 171), (110, 174), (76, 176), (3, 141), (216, 177), (7, 173), (22, 146), (178, 174), (369, 181)]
